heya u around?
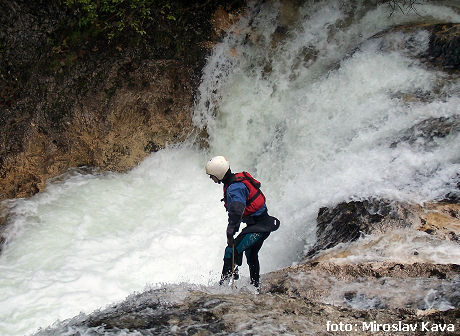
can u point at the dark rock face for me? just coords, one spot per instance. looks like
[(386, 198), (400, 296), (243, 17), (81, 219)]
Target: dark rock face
[(444, 47), (348, 220), (426, 132)]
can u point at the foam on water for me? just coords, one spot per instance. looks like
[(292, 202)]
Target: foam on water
[(407, 246), (315, 120), (311, 113), (92, 239)]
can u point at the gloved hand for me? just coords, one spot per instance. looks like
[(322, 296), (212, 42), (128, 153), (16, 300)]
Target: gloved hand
[(230, 232), (230, 240)]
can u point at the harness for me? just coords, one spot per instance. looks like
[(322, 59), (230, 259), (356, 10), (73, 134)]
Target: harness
[(255, 200)]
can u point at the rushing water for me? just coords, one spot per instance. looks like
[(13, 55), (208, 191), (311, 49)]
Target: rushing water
[(306, 100)]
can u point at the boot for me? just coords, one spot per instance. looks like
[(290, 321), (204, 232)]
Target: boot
[(236, 275), (256, 284), (226, 272)]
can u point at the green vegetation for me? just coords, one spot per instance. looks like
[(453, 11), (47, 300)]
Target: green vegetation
[(114, 17)]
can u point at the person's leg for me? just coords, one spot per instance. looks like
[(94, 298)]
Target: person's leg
[(242, 243), (227, 269), (252, 257), (228, 263)]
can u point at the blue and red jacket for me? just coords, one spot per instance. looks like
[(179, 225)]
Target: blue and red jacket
[(245, 189), (244, 201)]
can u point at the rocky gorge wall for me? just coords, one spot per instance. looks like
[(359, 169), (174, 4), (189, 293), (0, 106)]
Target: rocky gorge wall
[(71, 100)]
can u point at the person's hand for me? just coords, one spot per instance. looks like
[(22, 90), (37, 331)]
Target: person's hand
[(230, 240), (230, 232)]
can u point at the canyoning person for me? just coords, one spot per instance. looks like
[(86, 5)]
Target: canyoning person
[(244, 202)]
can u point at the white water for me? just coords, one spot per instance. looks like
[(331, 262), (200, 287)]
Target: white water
[(315, 131)]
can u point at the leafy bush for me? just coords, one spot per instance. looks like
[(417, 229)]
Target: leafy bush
[(115, 16)]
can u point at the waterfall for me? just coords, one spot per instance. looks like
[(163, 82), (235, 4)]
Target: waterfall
[(309, 100)]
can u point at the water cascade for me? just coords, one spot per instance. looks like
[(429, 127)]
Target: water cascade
[(310, 100)]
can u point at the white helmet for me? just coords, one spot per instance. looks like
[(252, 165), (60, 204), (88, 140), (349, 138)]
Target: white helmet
[(217, 167)]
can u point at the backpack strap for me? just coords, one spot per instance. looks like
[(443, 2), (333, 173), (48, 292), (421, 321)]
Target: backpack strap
[(253, 198)]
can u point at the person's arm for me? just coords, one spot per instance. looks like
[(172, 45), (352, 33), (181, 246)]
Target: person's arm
[(237, 194)]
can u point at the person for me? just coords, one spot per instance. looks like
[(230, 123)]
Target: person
[(244, 202)]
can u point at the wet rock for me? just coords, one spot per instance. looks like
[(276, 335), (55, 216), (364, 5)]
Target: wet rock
[(347, 221), (370, 270), (202, 312), (369, 286), (427, 132), (444, 47), (441, 219), (454, 196), (334, 276), (2, 231), (222, 20)]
